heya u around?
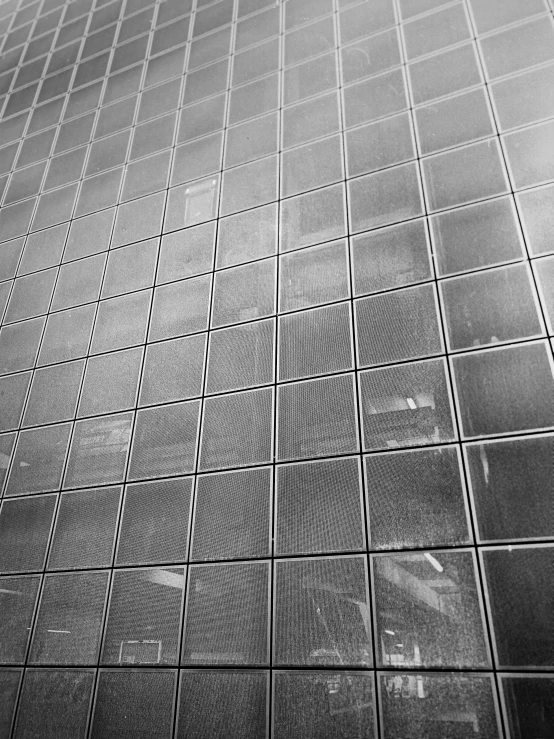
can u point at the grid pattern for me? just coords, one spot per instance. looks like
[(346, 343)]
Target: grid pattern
[(276, 375)]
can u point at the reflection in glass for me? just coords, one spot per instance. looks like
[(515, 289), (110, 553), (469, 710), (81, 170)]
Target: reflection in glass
[(428, 610), (529, 705)]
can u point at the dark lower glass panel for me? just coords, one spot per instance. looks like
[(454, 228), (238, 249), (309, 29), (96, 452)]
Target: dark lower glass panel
[(323, 705), (438, 706), (54, 704), (428, 610), (512, 483), (24, 532), (521, 600), (322, 612), (529, 705), (218, 705), (227, 615), (130, 704), (144, 617), (17, 605)]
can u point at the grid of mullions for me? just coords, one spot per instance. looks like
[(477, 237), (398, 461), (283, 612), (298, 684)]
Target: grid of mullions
[(276, 295)]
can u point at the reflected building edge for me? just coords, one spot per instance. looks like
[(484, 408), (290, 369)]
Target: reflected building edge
[(276, 369)]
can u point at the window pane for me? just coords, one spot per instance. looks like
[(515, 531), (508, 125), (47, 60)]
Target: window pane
[(180, 308), (529, 704), (312, 218), (173, 370), (186, 253), (428, 610), (244, 293), (247, 236), (24, 532), (17, 601)]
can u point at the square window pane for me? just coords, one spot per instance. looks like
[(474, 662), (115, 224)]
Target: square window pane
[(416, 499), (206, 81), (310, 40), (139, 220), (312, 218), (227, 615), (524, 99), (391, 257), (173, 370), (202, 118), (121, 322), (259, 27), (99, 192), (402, 324), (476, 236), (79, 282), (197, 159), (17, 600), (85, 529), (375, 98), (186, 253), (180, 308), (244, 293), (67, 334), (53, 395), (24, 532), (19, 345), (247, 236), (159, 100), (490, 307), (444, 74), (144, 615), (491, 14), (313, 276), (237, 429), (250, 185), (317, 418), (164, 441), (430, 603), (147, 175), (130, 268), (188, 205), (69, 621), (31, 295), (110, 382), (241, 356), (318, 507), (406, 405), (365, 18), (155, 522), (252, 140), (370, 56), (311, 166), (531, 155), (210, 48), (13, 392), (517, 48), (99, 451), (436, 31), (38, 460), (322, 612), (232, 515), (505, 389), (311, 120), (43, 249), (256, 62), (310, 78), (379, 145)]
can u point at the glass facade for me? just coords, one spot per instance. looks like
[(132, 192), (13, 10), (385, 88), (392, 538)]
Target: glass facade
[(276, 375)]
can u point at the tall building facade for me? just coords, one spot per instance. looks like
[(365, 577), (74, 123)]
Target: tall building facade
[(276, 381)]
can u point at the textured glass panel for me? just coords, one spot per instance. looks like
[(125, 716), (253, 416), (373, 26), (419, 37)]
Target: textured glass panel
[(247, 236), (244, 293), (54, 704), (489, 307), (537, 212), (132, 702), (471, 173), (85, 529), (444, 73), (31, 295), (227, 615), (144, 614), (202, 118), (317, 418), (43, 249), (309, 41), (159, 100), (322, 613), (398, 325), (519, 47), (385, 197), (237, 429), (519, 586), (476, 236), (255, 29), (180, 308), (390, 257), (416, 498), (491, 14), (252, 140), (310, 120), (15, 220), (316, 216), (186, 253), (209, 49), (438, 705), (165, 440), (313, 276), (197, 159), (98, 451), (505, 390), (130, 268), (69, 621), (154, 524), (19, 345), (499, 472), (436, 31), (430, 603), (206, 81), (319, 508), (9, 258), (323, 705), (67, 334), (38, 460), (529, 704), (311, 166), (310, 78), (173, 370), (232, 515), (146, 175), (299, 12), (121, 321), (213, 17), (13, 391), (315, 342), (138, 220), (24, 532), (79, 282), (406, 405), (191, 204), (524, 99), (17, 601), (99, 192), (379, 145), (256, 62), (375, 98), (241, 356), (250, 185), (222, 704), (110, 382), (53, 395), (531, 155)]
